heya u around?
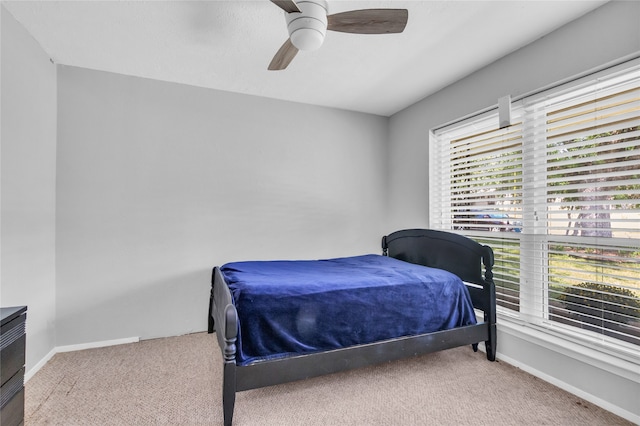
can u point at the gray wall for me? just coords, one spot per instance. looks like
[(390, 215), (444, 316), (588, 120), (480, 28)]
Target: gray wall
[(159, 182), (28, 176), (605, 35)]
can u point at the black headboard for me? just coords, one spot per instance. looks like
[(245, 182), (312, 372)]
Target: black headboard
[(444, 250)]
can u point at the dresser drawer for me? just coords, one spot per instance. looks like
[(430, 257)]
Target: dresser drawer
[(12, 348), (12, 414)]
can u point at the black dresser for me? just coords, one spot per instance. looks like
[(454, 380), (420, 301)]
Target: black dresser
[(12, 349)]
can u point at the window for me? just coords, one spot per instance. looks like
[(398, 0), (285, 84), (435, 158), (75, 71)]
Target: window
[(557, 196)]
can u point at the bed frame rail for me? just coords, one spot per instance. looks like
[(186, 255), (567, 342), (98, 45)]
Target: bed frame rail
[(312, 365)]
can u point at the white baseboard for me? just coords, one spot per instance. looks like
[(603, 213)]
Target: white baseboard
[(91, 345), (29, 374), (70, 348)]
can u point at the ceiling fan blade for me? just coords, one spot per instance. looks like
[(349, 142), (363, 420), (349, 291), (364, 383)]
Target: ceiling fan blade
[(369, 21), (283, 56), (288, 6)]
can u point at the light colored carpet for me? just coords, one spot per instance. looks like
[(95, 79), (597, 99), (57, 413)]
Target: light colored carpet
[(177, 381)]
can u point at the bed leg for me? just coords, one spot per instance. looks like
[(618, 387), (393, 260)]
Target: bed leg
[(491, 317), (211, 326), (229, 392), (475, 347), (491, 343), (230, 329)]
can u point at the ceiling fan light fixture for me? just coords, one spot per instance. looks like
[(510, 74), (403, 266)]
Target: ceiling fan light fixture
[(308, 28), (307, 39)]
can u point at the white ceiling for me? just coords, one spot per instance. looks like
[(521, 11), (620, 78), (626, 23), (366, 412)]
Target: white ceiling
[(227, 45)]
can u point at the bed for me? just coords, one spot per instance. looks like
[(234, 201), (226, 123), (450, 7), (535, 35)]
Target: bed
[(280, 321)]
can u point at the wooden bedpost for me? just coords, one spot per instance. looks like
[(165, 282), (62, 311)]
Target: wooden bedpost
[(490, 311), (229, 368), (211, 323), (490, 318), (224, 316)]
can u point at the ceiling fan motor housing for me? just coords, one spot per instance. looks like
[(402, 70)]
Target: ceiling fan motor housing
[(308, 28)]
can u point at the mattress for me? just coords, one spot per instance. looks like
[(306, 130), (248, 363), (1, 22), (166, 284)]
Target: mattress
[(293, 307)]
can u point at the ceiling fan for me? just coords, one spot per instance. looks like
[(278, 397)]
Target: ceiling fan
[(308, 22)]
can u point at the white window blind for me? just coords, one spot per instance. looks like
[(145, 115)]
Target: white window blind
[(557, 197), (477, 187)]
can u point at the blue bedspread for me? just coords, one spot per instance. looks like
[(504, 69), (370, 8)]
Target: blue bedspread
[(296, 307)]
